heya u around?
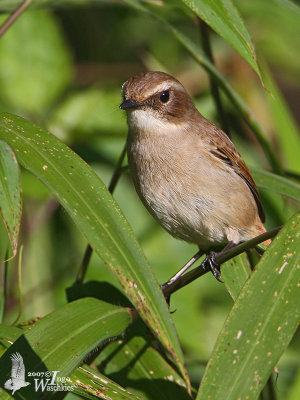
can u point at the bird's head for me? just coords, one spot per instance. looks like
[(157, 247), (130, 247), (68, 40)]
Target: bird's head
[(156, 98)]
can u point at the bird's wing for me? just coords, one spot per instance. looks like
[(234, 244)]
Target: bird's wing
[(18, 368), (223, 148)]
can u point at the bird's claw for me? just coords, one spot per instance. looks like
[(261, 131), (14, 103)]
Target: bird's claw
[(210, 264)]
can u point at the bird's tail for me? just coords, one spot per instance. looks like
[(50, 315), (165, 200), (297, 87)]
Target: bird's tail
[(261, 229)]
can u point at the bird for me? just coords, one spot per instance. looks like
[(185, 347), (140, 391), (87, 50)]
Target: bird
[(17, 377), (185, 169)]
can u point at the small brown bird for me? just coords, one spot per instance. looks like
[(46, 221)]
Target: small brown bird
[(185, 169)]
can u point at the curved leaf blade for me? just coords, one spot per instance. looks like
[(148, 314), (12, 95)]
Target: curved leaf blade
[(92, 385), (224, 18), (260, 324), (275, 183), (161, 380), (284, 123), (9, 334), (235, 273), (10, 194), (83, 324), (84, 380), (87, 200)]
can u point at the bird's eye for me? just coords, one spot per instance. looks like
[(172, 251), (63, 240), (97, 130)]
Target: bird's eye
[(164, 97)]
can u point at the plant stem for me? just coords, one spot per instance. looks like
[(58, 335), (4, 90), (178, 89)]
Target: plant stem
[(271, 389), (205, 38), (84, 264), (111, 187), (117, 172), (220, 259), (19, 286), (3, 299), (14, 15)]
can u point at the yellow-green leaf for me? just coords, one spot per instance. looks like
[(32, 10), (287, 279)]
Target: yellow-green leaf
[(260, 325), (93, 209), (10, 194)]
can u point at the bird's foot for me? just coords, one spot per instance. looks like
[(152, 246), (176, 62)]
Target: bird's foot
[(210, 264)]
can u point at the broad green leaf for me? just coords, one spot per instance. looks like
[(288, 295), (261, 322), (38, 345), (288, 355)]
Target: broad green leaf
[(61, 340), (275, 183), (96, 214), (235, 272), (35, 63), (10, 194), (92, 385), (133, 359), (84, 380), (284, 124), (260, 325), (290, 5), (272, 43), (100, 290), (224, 18), (9, 334)]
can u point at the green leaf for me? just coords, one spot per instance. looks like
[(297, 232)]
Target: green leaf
[(260, 325), (100, 290), (284, 124), (137, 365), (290, 5), (92, 385), (10, 194), (9, 334), (84, 380), (235, 272), (96, 214), (83, 324), (35, 68), (224, 18), (275, 183)]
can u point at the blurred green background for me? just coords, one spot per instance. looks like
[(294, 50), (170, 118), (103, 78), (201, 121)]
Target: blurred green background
[(63, 69)]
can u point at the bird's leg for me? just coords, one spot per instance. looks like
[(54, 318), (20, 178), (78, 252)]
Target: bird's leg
[(182, 270), (210, 264), (210, 261)]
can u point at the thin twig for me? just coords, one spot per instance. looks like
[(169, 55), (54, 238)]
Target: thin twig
[(271, 388), (4, 288), (117, 172), (111, 187), (220, 259), (19, 286), (14, 15), (205, 38), (84, 264)]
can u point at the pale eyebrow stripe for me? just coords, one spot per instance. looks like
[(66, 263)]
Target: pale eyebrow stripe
[(169, 84)]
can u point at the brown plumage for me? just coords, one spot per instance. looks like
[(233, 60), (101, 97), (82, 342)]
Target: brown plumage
[(185, 169)]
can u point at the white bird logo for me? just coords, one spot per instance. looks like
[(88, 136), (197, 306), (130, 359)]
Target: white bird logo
[(17, 377)]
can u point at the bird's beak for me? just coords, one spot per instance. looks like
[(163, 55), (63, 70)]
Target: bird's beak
[(130, 104)]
